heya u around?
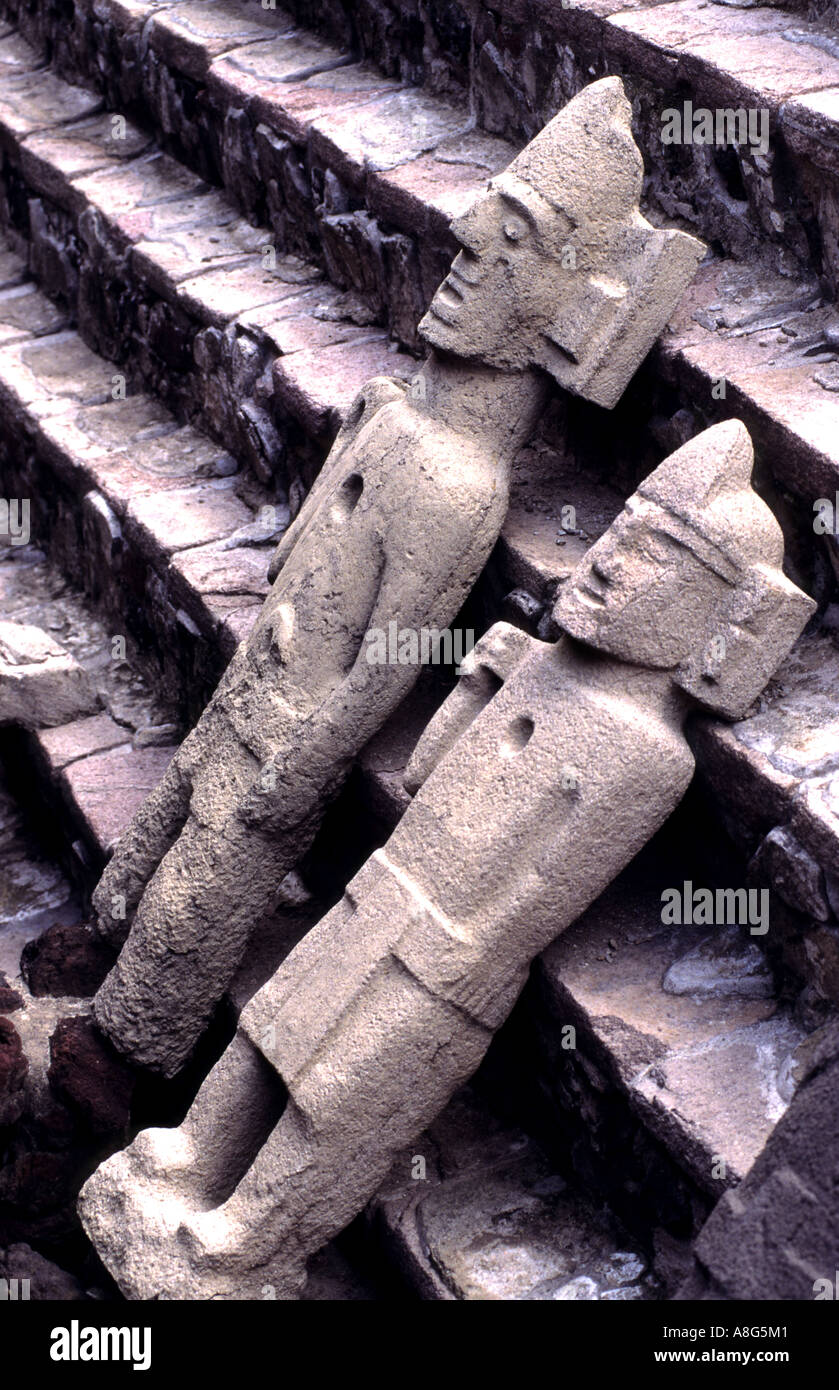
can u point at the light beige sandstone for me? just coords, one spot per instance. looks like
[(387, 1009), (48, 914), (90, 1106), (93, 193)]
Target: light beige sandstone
[(541, 777), (41, 684), (559, 274)]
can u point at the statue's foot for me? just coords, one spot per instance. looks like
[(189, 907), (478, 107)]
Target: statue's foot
[(237, 1262), (133, 1219), (144, 1215)]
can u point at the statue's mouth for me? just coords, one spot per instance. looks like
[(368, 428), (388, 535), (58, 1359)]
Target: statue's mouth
[(590, 596), (450, 293), (455, 287)]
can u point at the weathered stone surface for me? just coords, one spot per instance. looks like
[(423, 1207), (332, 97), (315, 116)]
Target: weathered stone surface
[(319, 385), (765, 338), (793, 873), (37, 100), (51, 375), (184, 517), (690, 1024), (40, 683), (26, 313), (410, 961), (51, 160), (254, 74), (110, 787), (192, 34)]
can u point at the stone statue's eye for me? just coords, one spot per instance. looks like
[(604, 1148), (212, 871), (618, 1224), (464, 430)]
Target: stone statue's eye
[(514, 229)]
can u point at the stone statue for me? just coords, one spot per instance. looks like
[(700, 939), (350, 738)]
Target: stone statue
[(559, 276), (542, 775)]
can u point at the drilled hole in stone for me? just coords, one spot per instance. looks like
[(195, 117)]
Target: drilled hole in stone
[(347, 497), (519, 733)]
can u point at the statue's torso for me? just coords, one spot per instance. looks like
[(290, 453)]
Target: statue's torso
[(505, 845)]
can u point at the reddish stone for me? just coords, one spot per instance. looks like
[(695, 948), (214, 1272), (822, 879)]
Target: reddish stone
[(9, 998), (66, 961), (13, 1069), (89, 1077)]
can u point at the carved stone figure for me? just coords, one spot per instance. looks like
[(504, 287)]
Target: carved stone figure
[(559, 274), (532, 799)]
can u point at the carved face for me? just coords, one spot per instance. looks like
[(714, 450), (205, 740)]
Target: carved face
[(641, 594), (499, 301)]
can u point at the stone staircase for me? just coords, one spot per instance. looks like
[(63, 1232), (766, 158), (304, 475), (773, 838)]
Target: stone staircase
[(219, 220)]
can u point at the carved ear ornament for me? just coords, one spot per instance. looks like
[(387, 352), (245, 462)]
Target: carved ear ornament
[(749, 635)]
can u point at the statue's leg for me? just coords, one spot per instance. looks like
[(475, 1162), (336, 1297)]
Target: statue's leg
[(136, 1200), (390, 1066), (175, 1216), (188, 937)]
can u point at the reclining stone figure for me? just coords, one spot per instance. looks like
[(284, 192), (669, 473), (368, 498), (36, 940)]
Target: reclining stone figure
[(532, 799), (559, 276)]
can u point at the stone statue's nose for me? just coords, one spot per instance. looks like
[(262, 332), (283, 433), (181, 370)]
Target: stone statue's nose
[(472, 229), (606, 566)]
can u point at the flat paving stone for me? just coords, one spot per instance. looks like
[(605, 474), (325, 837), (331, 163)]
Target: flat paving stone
[(26, 313), (52, 159), (52, 374), (290, 110), (189, 36), (184, 517), (79, 739), (39, 100), (256, 74), (388, 131), (318, 386)]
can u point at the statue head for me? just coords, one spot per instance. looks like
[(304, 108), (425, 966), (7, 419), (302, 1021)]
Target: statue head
[(558, 269), (688, 578)]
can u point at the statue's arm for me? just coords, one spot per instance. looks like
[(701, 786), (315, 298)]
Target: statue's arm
[(376, 393)]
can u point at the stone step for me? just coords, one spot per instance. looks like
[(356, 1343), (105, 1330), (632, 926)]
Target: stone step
[(476, 1211), (170, 541), (160, 272), (83, 780), (209, 72)]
